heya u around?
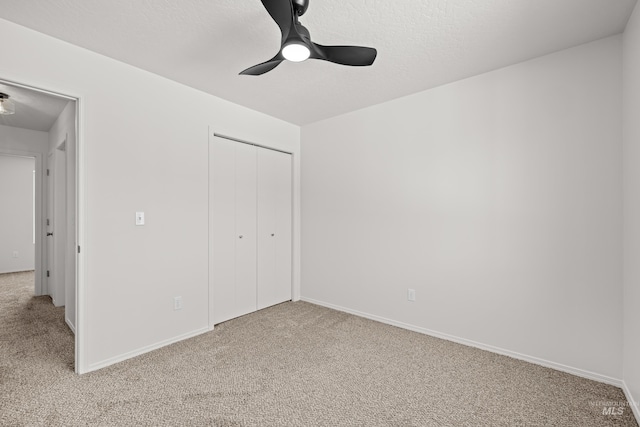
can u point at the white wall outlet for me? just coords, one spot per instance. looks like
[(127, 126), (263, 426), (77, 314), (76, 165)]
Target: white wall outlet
[(139, 218), (411, 294), (15, 254), (177, 303)]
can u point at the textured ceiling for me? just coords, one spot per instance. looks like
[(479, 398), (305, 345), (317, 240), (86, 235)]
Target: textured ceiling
[(34, 110), (421, 44)]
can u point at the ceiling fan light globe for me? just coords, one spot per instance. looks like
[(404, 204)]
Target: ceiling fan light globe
[(296, 52), (7, 106)]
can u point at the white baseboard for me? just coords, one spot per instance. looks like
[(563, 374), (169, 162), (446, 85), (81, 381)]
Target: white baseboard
[(70, 325), (632, 402), (531, 359), (146, 349)]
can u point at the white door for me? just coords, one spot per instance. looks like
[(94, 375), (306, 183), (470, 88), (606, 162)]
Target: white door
[(50, 242), (274, 227), (246, 241), (250, 228), (222, 237), (59, 225), (233, 229)]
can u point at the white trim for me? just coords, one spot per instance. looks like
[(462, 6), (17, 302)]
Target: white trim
[(632, 403), (146, 349), (38, 89), (209, 239), (81, 338), (531, 359), (70, 325), (255, 144), (35, 213)]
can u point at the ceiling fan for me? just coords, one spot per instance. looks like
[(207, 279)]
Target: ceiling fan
[(296, 43)]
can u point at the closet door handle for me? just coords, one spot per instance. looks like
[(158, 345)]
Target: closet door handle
[(240, 236), (273, 234)]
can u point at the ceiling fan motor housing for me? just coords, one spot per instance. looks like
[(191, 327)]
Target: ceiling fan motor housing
[(304, 33), (300, 6)]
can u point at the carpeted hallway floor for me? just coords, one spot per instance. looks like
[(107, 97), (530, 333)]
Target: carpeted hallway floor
[(295, 364)]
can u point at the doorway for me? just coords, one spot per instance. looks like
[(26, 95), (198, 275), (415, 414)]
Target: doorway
[(45, 127)]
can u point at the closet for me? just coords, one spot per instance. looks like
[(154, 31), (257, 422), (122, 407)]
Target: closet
[(250, 196)]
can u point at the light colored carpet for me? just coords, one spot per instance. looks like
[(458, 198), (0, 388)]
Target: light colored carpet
[(295, 364)]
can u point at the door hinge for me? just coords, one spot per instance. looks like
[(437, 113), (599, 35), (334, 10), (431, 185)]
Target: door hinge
[(47, 273), (47, 172), (78, 248), (47, 221)]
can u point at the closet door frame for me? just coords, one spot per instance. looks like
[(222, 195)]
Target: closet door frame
[(295, 293)]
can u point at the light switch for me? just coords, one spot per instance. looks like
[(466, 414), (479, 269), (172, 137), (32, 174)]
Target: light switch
[(139, 218)]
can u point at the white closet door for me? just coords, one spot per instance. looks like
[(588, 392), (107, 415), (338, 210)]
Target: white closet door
[(222, 220), (246, 228), (232, 214), (274, 227)]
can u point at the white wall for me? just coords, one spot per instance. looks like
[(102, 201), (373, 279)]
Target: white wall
[(23, 139), (140, 155), (31, 143), (17, 247), (631, 151), (497, 198)]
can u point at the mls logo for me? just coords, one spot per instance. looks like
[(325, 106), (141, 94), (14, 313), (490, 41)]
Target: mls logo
[(612, 410)]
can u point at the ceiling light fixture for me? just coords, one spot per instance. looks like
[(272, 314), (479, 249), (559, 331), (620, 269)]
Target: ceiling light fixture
[(296, 52), (6, 105), (296, 44)]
